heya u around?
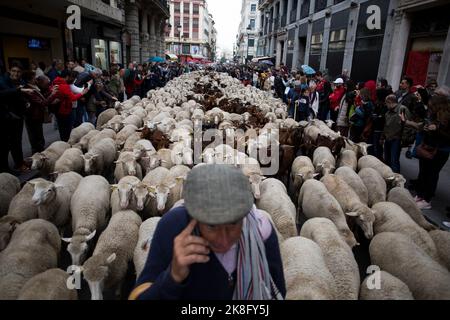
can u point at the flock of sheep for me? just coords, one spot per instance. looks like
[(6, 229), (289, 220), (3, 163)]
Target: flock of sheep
[(108, 187)]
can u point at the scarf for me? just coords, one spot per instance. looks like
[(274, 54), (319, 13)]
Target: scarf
[(254, 281)]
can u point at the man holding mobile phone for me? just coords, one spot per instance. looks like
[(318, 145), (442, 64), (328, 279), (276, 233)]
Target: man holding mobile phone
[(216, 247)]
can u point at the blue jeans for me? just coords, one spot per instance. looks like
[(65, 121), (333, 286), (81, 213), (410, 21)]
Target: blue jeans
[(392, 151)]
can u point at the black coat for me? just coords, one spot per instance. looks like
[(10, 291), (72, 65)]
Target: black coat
[(12, 102)]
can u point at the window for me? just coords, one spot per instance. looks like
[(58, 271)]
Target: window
[(253, 8), (115, 52), (195, 23), (251, 43), (176, 8), (337, 40), (196, 9), (186, 8), (316, 43), (252, 24), (99, 53)]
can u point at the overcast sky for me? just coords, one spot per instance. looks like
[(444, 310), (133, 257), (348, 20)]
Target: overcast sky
[(227, 15)]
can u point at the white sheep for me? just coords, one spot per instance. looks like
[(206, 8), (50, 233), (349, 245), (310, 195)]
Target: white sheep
[(122, 196), (159, 183), (398, 255), (104, 134), (71, 160), (146, 232), (182, 154), (389, 217), (45, 161), (100, 158), (350, 203), (275, 200), (115, 123), (127, 165), (115, 247), (324, 161), (442, 241), (165, 158), (354, 181), (391, 288), (178, 174), (403, 198), (83, 145), (105, 117), (375, 184), (393, 179), (124, 134), (53, 199), (89, 207), (315, 201), (337, 254), (34, 248), (48, 285), (9, 187), (302, 170), (348, 159), (131, 141), (305, 271), (79, 132)]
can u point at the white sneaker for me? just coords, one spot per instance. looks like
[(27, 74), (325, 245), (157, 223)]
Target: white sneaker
[(446, 223), (423, 205)]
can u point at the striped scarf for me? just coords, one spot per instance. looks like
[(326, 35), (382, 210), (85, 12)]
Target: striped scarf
[(254, 281)]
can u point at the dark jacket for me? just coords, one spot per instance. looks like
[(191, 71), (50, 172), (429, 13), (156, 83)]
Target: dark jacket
[(12, 102), (208, 281), (37, 105)]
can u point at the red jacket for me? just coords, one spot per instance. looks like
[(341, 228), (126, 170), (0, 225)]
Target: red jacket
[(66, 97), (336, 97)]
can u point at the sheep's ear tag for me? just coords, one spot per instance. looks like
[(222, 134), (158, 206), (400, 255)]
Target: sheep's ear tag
[(111, 258), (91, 236), (391, 179), (68, 240)]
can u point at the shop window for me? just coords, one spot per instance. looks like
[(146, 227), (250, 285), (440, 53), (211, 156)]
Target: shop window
[(316, 43), (337, 40), (251, 43), (100, 58), (115, 52)]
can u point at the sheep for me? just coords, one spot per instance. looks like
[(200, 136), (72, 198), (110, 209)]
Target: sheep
[(442, 241), (146, 232), (115, 124), (108, 265), (45, 161), (83, 145), (34, 248), (389, 217), (361, 149), (178, 174), (251, 169), (348, 159), (53, 199), (131, 141), (122, 196), (89, 207), (182, 154), (398, 255), (133, 120), (127, 165), (306, 274), (71, 160), (21, 209), (302, 170), (166, 125), (143, 148), (9, 187), (354, 181), (48, 285), (105, 117), (100, 158), (165, 158), (403, 198), (393, 179), (124, 134), (79, 132), (391, 288), (375, 184), (350, 203), (276, 202), (324, 161), (105, 133), (160, 184), (337, 254), (315, 201)]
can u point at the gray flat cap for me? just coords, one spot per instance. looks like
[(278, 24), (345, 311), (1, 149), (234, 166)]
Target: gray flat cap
[(217, 194)]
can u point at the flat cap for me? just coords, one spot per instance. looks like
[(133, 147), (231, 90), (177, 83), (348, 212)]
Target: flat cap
[(217, 194)]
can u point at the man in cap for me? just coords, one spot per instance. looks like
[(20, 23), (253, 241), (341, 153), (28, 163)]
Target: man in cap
[(217, 246), (336, 97)]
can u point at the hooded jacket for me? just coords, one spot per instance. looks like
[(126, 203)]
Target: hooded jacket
[(65, 96)]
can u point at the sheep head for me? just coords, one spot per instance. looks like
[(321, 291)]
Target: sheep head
[(161, 192), (125, 192), (255, 181), (142, 194), (78, 247), (128, 161), (90, 163), (365, 217), (96, 270), (44, 192), (39, 160)]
